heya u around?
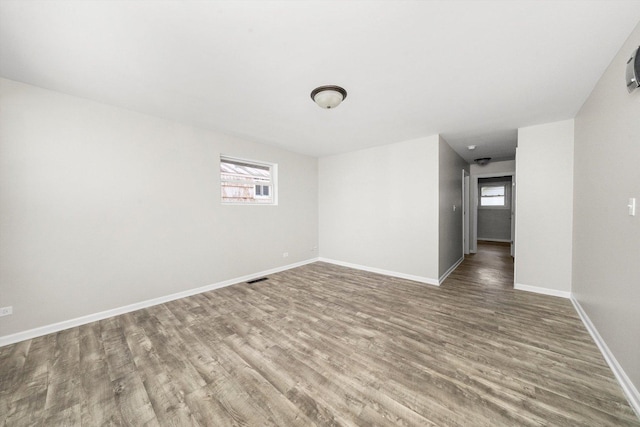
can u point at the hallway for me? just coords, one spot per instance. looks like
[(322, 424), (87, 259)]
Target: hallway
[(491, 267)]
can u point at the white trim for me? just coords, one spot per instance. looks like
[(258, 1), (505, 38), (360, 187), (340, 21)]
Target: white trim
[(450, 270), (78, 321), (544, 291), (484, 239), (420, 279), (630, 391)]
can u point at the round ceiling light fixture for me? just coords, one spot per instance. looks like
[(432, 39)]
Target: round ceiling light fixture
[(328, 96)]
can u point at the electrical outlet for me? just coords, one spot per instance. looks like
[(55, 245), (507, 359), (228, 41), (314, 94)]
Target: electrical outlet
[(6, 311), (285, 254)]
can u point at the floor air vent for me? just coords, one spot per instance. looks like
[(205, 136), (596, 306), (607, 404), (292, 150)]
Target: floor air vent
[(262, 279)]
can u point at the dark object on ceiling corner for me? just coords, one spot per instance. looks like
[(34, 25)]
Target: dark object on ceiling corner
[(482, 161), (633, 71)]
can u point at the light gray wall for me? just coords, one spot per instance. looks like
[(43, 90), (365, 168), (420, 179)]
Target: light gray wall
[(379, 208), (544, 177), (102, 207), (449, 194), (606, 240), (494, 223)]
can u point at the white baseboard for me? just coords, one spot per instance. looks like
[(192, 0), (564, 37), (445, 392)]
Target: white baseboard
[(544, 291), (630, 391), (420, 279), (450, 270), (483, 239), (72, 323)]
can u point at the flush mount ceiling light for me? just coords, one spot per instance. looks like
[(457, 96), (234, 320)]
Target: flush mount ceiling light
[(483, 161), (471, 147), (328, 96)]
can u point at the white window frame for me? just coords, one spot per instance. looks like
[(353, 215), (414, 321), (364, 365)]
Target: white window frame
[(507, 195), (258, 200)]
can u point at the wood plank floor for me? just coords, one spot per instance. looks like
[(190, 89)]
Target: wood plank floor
[(325, 345)]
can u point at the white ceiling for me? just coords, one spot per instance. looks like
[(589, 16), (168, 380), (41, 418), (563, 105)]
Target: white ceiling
[(473, 71)]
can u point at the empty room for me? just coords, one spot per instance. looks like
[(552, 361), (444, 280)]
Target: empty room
[(319, 213)]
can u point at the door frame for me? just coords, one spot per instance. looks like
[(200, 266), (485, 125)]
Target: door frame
[(473, 248), (465, 213)]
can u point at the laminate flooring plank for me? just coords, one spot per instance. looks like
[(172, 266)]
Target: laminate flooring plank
[(518, 380), (70, 416), (386, 410), (66, 354), (352, 328), (132, 401), (117, 352), (445, 391), (11, 364), (207, 410), (153, 372), (308, 355), (98, 403), (63, 392), (183, 354), (232, 363), (23, 388), (92, 355), (27, 409), (288, 385), (278, 409)]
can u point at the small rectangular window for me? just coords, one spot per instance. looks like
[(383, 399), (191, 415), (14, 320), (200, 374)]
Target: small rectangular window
[(493, 195), (262, 191), (247, 182)]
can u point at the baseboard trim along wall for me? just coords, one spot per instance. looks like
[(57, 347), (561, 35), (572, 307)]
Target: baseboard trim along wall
[(544, 291), (450, 270), (79, 321), (420, 279), (630, 391), (486, 239)]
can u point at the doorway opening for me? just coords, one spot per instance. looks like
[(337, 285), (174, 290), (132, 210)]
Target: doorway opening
[(492, 206), (494, 209)]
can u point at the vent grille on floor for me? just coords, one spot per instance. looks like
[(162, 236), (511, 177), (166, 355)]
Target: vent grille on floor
[(262, 279)]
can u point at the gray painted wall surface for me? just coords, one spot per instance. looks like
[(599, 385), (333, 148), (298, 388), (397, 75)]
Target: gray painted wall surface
[(379, 207), (494, 224), (449, 194), (102, 207), (606, 240), (544, 171)]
